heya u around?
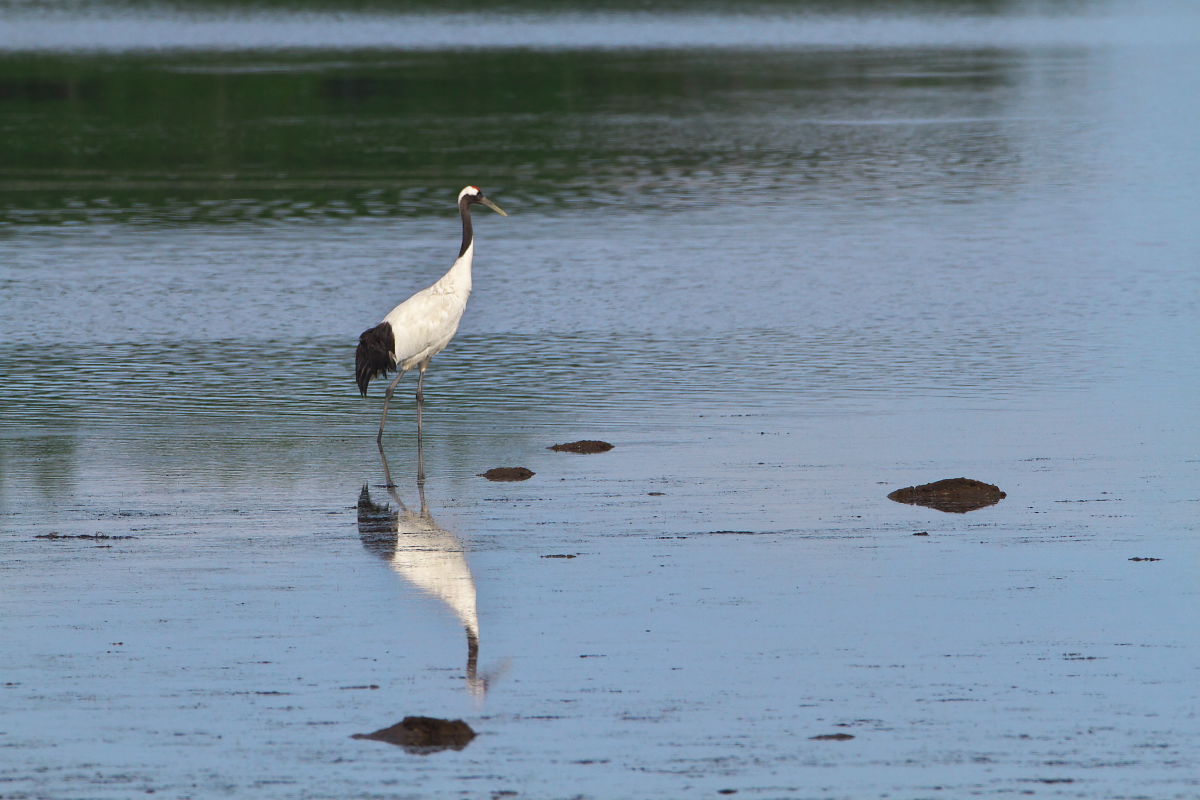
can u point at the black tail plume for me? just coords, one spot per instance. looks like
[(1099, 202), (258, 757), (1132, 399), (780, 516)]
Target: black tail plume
[(374, 354)]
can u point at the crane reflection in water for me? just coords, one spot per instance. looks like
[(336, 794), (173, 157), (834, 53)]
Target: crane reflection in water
[(429, 557)]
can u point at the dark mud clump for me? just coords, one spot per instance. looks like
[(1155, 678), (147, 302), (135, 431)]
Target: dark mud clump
[(582, 446), (508, 474), (424, 735), (955, 495), (90, 536)]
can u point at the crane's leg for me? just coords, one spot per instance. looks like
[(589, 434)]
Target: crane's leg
[(387, 398), (420, 468), (387, 473), (421, 398), (420, 414)]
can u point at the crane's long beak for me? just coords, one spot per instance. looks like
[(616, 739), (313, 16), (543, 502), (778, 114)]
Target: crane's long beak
[(493, 206)]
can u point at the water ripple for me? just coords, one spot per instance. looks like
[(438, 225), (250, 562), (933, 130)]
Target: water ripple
[(273, 386), (115, 28)]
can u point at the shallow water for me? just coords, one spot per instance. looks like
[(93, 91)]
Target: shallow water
[(785, 270)]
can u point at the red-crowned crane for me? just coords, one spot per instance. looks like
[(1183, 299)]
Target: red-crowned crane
[(419, 328)]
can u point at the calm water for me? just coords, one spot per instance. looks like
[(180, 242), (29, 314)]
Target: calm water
[(785, 263)]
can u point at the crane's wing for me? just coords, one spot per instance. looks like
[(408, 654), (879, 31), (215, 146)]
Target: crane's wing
[(424, 324)]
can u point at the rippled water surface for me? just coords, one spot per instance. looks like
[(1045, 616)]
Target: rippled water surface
[(786, 262)]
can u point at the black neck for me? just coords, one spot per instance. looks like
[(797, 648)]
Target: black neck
[(464, 209)]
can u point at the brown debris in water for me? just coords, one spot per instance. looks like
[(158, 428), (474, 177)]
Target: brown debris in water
[(508, 474), (93, 536), (582, 446), (424, 735), (955, 495)]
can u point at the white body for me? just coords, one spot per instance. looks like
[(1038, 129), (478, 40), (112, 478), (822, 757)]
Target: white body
[(426, 322)]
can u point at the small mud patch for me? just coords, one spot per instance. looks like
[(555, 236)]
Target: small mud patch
[(954, 495), (832, 737), (424, 735), (582, 446), (1051, 780), (89, 536), (508, 474)]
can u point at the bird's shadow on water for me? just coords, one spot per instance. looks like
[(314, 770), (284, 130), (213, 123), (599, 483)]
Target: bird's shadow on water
[(426, 555)]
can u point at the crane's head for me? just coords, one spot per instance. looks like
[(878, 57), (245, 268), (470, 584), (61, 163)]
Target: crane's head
[(473, 194)]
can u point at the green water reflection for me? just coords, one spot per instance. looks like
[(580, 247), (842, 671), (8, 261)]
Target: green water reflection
[(212, 137)]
